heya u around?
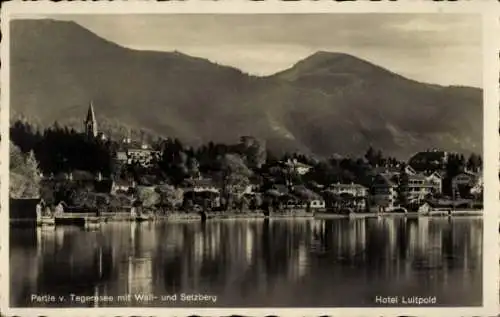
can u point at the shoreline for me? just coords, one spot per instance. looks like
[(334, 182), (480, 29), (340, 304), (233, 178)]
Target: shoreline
[(179, 216)]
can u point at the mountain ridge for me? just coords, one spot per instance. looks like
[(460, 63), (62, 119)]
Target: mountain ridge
[(325, 103)]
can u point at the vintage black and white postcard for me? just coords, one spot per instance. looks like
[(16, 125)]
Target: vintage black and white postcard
[(219, 158)]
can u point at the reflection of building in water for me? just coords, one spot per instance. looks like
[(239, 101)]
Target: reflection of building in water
[(357, 238), (140, 264), (476, 238), (140, 275), (471, 246), (361, 238), (198, 247), (351, 242), (206, 245), (249, 246), (390, 225), (435, 244), (423, 235), (418, 236), (299, 263), (59, 232)]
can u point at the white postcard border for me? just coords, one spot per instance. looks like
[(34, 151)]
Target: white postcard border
[(491, 67)]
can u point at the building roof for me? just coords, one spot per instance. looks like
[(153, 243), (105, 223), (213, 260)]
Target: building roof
[(77, 175), (386, 170), (306, 193), (289, 196), (295, 163), (203, 182), (121, 155), (471, 174), (435, 173), (135, 146), (90, 113), (124, 182), (419, 177), (282, 189), (386, 178), (351, 185)]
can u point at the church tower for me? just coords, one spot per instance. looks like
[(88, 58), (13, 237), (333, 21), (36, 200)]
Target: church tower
[(90, 123)]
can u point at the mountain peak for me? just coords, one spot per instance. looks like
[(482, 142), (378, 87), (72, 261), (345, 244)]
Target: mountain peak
[(326, 55), (324, 63), (338, 62)]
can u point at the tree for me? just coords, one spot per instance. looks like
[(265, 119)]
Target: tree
[(474, 162), (233, 176), (254, 151), (243, 203), (193, 167), (24, 174), (174, 161), (170, 196), (370, 156), (148, 196)]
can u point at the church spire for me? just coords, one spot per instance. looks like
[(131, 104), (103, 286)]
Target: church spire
[(91, 122)]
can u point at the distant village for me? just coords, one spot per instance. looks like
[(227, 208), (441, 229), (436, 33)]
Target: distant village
[(64, 171)]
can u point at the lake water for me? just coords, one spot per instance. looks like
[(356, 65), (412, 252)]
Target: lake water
[(250, 263)]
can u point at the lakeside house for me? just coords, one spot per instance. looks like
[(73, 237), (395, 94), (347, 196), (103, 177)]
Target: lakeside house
[(348, 196), (202, 192), (60, 207), (122, 186), (28, 209), (385, 191), (140, 153), (436, 181), (254, 185), (353, 189), (297, 167), (122, 157), (415, 188), (200, 185), (317, 202), (468, 183), (290, 201), (308, 198)]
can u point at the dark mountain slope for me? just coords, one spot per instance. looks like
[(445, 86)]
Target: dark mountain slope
[(329, 102)]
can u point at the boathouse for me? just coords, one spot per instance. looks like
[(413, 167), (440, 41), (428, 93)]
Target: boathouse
[(25, 209)]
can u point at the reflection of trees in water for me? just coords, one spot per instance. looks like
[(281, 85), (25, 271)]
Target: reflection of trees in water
[(247, 257), (385, 246), (379, 247), (224, 253), (73, 264)]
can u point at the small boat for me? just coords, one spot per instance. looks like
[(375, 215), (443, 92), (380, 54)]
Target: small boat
[(141, 218), (92, 222), (46, 221)]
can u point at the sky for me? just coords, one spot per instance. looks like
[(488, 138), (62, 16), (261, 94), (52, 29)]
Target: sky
[(434, 48)]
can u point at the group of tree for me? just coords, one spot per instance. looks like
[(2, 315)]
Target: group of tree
[(59, 149), (232, 166)]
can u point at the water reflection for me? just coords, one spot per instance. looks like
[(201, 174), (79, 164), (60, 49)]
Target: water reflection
[(306, 263)]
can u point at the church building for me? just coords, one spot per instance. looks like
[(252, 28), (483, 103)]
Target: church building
[(90, 125)]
